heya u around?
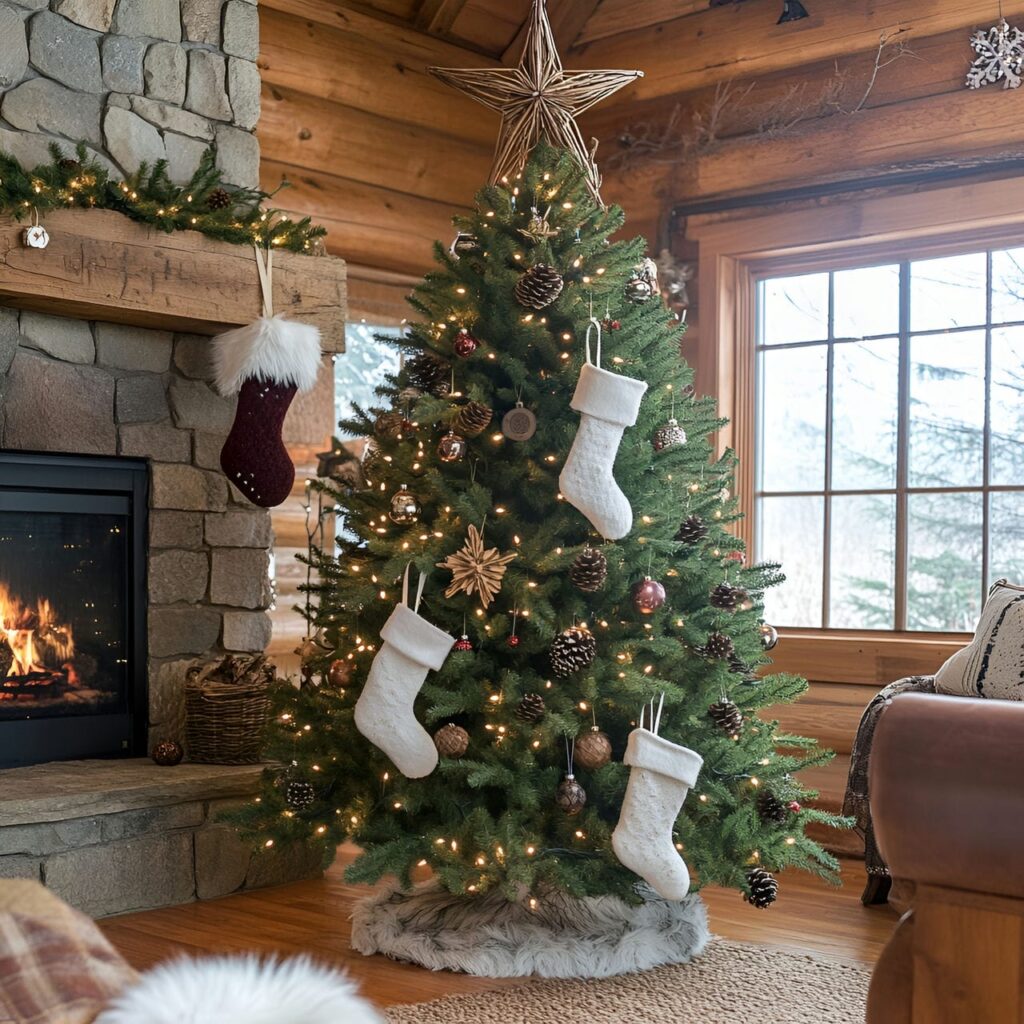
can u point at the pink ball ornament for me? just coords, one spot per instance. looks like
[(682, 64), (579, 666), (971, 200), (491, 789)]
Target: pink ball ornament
[(648, 596)]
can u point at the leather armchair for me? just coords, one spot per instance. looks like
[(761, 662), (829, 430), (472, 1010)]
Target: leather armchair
[(947, 801)]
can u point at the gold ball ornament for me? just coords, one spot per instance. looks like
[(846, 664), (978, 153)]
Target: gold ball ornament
[(570, 796), (593, 750), (451, 447), (451, 740), (405, 508)]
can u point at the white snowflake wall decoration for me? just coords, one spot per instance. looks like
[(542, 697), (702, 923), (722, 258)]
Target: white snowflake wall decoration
[(1000, 53)]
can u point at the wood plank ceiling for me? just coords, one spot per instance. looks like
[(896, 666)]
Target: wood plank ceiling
[(730, 103)]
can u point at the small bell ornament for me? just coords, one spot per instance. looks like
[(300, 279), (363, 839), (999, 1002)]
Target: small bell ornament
[(648, 596), (405, 508), (451, 447), (769, 636), (464, 344), (671, 435)]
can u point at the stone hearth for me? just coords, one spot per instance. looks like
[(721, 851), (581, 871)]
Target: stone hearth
[(114, 836)]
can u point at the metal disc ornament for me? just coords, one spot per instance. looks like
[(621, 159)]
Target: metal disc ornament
[(404, 507), (519, 424)]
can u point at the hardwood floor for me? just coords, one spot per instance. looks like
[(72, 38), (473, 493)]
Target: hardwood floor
[(312, 917)]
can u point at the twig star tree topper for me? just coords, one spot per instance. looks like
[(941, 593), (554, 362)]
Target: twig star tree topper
[(537, 100)]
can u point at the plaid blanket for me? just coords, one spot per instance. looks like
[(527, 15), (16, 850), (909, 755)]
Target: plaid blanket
[(55, 965)]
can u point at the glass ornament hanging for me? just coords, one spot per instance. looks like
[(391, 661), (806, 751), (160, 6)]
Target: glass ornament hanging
[(405, 508)]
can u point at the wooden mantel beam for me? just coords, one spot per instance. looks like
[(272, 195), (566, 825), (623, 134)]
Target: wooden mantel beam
[(100, 265)]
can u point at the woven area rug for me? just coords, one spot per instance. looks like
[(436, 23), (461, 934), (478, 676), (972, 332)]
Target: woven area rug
[(732, 983)]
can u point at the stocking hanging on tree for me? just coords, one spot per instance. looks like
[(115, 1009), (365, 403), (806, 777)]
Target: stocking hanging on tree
[(265, 364), (607, 403), (384, 711), (661, 775)]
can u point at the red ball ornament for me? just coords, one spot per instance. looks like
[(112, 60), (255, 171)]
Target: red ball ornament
[(451, 447), (610, 325), (340, 673), (464, 344), (648, 596), (463, 644), (736, 556), (794, 806), (512, 641)]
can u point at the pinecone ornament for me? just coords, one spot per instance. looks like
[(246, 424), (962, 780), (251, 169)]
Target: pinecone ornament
[(718, 646), (473, 419), (539, 287), (671, 435), (451, 740), (692, 530), (764, 889), (299, 795), (531, 708), (726, 716), (570, 796), (589, 571), (592, 750), (771, 809), (727, 597), (429, 375), (572, 650), (219, 199)]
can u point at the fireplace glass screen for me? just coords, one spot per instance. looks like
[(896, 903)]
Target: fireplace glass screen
[(73, 533), (63, 620)]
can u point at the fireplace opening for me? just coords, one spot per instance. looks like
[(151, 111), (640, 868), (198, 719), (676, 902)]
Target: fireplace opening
[(72, 607)]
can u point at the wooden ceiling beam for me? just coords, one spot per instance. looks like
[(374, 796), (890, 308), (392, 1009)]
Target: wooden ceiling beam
[(369, 65), (438, 16), (613, 17), (742, 41), (567, 21)]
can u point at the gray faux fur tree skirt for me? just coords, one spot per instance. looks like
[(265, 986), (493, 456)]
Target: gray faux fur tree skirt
[(486, 935)]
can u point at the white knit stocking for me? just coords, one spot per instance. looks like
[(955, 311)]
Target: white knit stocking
[(608, 403), (662, 774), (384, 712)]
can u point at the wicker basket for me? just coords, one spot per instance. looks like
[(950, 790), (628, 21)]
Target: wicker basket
[(226, 710)]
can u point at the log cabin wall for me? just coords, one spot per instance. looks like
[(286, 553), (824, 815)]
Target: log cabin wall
[(736, 117)]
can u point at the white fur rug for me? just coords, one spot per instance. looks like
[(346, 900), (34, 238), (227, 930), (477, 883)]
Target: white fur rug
[(241, 990), (597, 937)]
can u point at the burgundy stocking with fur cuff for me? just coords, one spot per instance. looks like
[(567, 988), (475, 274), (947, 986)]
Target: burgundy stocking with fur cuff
[(265, 364)]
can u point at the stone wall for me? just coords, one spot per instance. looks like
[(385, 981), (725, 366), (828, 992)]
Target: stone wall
[(107, 389), (136, 80)]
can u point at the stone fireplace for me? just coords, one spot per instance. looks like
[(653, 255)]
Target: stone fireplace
[(113, 426)]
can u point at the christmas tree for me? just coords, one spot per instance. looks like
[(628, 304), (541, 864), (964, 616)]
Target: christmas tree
[(537, 644)]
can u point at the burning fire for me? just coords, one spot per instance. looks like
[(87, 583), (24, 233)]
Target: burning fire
[(38, 641)]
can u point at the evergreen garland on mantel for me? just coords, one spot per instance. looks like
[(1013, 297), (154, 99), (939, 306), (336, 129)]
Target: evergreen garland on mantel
[(202, 204)]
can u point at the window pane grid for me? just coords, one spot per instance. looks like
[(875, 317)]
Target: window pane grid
[(941, 352)]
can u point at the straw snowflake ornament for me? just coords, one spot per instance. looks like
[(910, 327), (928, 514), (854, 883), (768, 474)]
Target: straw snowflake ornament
[(475, 569)]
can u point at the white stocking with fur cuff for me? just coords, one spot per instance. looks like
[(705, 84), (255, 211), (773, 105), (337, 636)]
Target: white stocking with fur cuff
[(384, 712)]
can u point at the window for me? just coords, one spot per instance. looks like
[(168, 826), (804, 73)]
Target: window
[(363, 367), (890, 440)]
